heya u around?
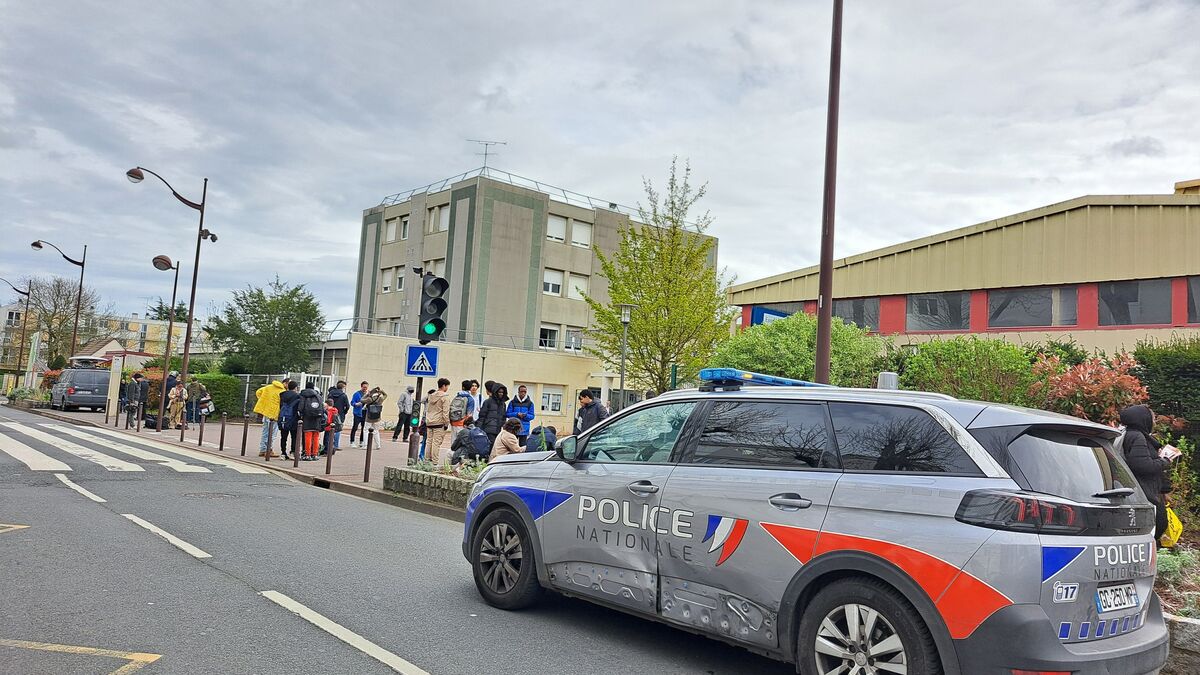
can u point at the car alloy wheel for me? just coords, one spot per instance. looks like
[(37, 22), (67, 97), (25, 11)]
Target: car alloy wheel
[(500, 556), (855, 639)]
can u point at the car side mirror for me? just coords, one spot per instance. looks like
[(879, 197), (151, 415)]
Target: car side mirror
[(565, 449)]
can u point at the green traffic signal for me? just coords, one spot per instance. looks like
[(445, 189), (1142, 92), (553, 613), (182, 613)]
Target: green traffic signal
[(430, 329), (415, 421)]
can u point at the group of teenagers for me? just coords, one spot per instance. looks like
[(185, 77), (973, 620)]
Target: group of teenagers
[(319, 418)]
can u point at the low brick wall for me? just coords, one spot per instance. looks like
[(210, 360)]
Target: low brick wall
[(26, 404), (428, 486), (1185, 646)]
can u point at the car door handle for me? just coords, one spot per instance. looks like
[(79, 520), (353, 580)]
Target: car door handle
[(789, 501), (642, 488)]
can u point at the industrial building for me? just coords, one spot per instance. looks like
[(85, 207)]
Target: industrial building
[(1103, 270)]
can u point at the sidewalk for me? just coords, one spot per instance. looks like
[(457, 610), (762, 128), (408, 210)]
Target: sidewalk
[(348, 463)]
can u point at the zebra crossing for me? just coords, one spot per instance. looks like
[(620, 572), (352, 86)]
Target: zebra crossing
[(63, 448)]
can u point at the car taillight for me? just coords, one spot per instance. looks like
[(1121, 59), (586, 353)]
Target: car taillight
[(1042, 514), (70, 390)]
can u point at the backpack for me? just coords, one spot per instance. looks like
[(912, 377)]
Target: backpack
[(481, 445), (458, 408), (337, 422), (312, 407)]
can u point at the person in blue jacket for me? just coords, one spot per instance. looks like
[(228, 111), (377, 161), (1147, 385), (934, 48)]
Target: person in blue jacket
[(359, 427), (521, 408)]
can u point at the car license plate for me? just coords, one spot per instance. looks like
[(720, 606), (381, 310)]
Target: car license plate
[(1113, 598), (83, 391)]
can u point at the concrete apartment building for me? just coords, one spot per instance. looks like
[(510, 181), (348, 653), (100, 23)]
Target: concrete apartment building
[(1103, 270), (518, 255)]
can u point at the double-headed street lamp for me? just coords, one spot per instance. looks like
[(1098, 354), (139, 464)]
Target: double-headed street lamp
[(626, 316), (137, 175), (81, 263), (163, 263), (24, 323)]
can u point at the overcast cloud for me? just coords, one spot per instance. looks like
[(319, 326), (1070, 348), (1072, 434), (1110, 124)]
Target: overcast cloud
[(304, 114)]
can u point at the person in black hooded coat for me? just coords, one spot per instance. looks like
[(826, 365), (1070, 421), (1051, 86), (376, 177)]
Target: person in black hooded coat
[(493, 412), (1142, 455)]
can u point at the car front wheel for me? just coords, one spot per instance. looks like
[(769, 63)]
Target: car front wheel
[(864, 626), (503, 561)]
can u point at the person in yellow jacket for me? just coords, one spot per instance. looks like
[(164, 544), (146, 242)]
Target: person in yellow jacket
[(267, 405)]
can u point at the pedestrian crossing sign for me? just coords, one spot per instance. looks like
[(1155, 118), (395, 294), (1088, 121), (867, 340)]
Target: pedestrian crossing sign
[(421, 361)]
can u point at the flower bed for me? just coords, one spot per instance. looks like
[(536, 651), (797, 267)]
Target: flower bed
[(427, 485)]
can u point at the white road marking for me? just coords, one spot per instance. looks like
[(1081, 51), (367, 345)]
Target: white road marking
[(190, 454), (31, 458), (344, 634), (169, 462), (179, 543), (110, 463), (80, 490)]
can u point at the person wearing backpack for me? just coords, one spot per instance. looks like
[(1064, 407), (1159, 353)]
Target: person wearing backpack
[(541, 439), (463, 410), (470, 443), (521, 408), (357, 405), (312, 416), (288, 402), (492, 415), (373, 413)]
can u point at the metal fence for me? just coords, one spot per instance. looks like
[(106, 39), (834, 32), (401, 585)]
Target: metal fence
[(566, 341)]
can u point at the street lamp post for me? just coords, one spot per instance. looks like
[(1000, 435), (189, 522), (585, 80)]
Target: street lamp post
[(163, 263), (137, 175), (24, 323), (825, 275), (483, 352), (37, 246), (626, 315)]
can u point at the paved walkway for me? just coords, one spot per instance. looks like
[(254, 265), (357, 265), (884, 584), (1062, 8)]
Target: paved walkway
[(348, 463)]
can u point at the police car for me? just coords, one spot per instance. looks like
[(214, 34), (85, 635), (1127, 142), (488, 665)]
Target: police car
[(844, 530)]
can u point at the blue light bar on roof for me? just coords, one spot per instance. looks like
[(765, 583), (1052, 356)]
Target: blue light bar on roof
[(724, 377)]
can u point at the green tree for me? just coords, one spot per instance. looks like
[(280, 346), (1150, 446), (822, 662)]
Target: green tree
[(161, 311), (971, 367), (668, 271), (269, 329), (787, 347)]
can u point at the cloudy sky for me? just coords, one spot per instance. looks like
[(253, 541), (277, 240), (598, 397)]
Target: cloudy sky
[(304, 114)]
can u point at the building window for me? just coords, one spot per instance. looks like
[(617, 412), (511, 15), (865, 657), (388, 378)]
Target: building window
[(397, 328), (574, 339), (1193, 299), (548, 337), (552, 281), (1032, 307), (1132, 303), (552, 398), (578, 287), (444, 218), (437, 267), (581, 234), (862, 312), (389, 230), (556, 228), (14, 319), (404, 227), (387, 280), (939, 311), (399, 279)]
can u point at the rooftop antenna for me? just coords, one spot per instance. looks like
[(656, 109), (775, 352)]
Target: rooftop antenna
[(486, 148)]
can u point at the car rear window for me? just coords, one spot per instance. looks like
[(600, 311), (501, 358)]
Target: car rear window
[(88, 377), (1068, 465)]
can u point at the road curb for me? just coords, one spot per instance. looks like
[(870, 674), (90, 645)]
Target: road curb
[(363, 491)]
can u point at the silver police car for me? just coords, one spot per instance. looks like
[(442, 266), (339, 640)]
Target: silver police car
[(844, 530)]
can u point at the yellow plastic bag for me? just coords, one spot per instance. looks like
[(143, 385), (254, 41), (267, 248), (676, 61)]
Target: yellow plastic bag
[(1174, 530)]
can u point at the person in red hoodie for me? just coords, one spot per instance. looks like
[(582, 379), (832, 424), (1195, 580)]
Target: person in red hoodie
[(333, 427)]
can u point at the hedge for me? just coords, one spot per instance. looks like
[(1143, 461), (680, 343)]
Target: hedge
[(226, 392), (1171, 372), (971, 367)]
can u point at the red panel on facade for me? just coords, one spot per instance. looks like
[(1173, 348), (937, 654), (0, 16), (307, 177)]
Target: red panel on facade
[(979, 312), (810, 306), (1088, 297), (747, 310), (1179, 301), (891, 314)]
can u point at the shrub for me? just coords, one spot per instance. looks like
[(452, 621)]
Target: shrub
[(971, 367), (57, 362), (1171, 372), (226, 392), (50, 377), (235, 364), (1068, 351), (787, 348), (1095, 390)]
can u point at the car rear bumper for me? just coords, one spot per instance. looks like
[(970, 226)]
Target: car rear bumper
[(85, 400), (1022, 637)]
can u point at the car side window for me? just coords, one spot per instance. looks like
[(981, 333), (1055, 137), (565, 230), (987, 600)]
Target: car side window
[(645, 436), (896, 438), (765, 435)]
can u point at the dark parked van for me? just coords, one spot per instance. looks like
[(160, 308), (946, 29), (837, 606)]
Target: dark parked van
[(80, 388)]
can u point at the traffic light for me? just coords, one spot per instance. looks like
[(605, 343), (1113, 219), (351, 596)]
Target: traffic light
[(433, 308), (414, 419)]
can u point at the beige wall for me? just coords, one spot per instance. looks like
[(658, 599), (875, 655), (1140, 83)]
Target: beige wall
[(1109, 341), (380, 360)]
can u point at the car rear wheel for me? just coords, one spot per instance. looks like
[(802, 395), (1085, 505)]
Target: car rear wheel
[(503, 561), (865, 627)]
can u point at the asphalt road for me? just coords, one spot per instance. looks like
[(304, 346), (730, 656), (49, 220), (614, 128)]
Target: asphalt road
[(86, 589)]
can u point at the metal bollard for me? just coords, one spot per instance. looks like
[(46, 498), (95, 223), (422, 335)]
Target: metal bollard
[(141, 414), (106, 411), (245, 432), (367, 464), (328, 452), (200, 440), (221, 443), (297, 429)]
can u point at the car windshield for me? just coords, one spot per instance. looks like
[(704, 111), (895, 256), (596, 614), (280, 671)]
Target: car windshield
[(1070, 465)]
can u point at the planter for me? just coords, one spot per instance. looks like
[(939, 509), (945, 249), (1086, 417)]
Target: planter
[(428, 486), (1185, 646), (25, 404)]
